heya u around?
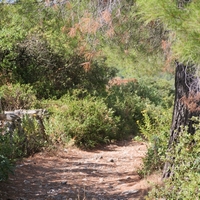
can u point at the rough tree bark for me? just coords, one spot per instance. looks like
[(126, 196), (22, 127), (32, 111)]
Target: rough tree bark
[(186, 84)]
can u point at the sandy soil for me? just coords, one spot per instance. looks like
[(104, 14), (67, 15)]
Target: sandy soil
[(107, 173)]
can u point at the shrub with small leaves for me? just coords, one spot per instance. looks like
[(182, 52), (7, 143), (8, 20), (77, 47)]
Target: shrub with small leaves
[(88, 121), (155, 128), (184, 182), (17, 97), (6, 167)]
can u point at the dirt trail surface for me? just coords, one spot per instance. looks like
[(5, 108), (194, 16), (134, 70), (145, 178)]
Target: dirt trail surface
[(108, 173)]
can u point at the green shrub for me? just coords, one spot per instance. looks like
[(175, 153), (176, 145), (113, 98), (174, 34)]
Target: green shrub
[(17, 97), (185, 180), (155, 128), (159, 91), (64, 69), (128, 106), (27, 137), (33, 137), (87, 121), (25, 140), (129, 100), (6, 167)]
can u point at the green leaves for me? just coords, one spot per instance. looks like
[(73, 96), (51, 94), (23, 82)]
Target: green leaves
[(88, 122), (181, 20), (185, 181), (6, 168)]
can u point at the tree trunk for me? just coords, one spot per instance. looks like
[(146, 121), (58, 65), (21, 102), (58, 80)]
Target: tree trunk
[(186, 87)]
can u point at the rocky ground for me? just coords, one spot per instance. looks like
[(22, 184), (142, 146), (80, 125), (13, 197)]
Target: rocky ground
[(107, 173)]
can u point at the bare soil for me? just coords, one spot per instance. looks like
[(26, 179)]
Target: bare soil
[(107, 173)]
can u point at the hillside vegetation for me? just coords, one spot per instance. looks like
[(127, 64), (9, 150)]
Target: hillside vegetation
[(62, 56)]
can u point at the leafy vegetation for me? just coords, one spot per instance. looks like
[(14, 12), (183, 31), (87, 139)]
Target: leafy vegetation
[(88, 121), (63, 58), (184, 183), (16, 96), (155, 129), (179, 19)]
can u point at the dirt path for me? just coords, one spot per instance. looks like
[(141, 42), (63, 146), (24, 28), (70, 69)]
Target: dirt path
[(109, 173)]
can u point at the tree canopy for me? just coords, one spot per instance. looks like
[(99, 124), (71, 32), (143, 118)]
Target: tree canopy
[(180, 19)]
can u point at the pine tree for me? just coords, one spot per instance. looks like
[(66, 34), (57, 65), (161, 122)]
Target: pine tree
[(180, 18)]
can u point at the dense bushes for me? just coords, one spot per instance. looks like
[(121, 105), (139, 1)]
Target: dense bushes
[(155, 128), (127, 105), (35, 58), (185, 180), (6, 161), (156, 122), (90, 120), (27, 137), (16, 96), (87, 121), (131, 100), (6, 167)]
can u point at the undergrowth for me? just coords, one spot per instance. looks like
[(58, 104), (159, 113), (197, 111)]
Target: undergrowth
[(88, 120), (184, 182), (155, 130)]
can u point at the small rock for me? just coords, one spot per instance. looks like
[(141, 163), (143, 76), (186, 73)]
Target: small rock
[(100, 180), (111, 160), (63, 182), (99, 157), (26, 182), (52, 191), (19, 165), (130, 192)]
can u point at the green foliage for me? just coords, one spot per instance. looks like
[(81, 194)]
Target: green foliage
[(34, 57), (88, 121), (127, 105), (27, 138), (97, 78), (155, 128), (158, 90), (185, 180), (33, 138), (155, 121), (130, 100), (6, 167), (17, 97), (61, 43), (180, 17)]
